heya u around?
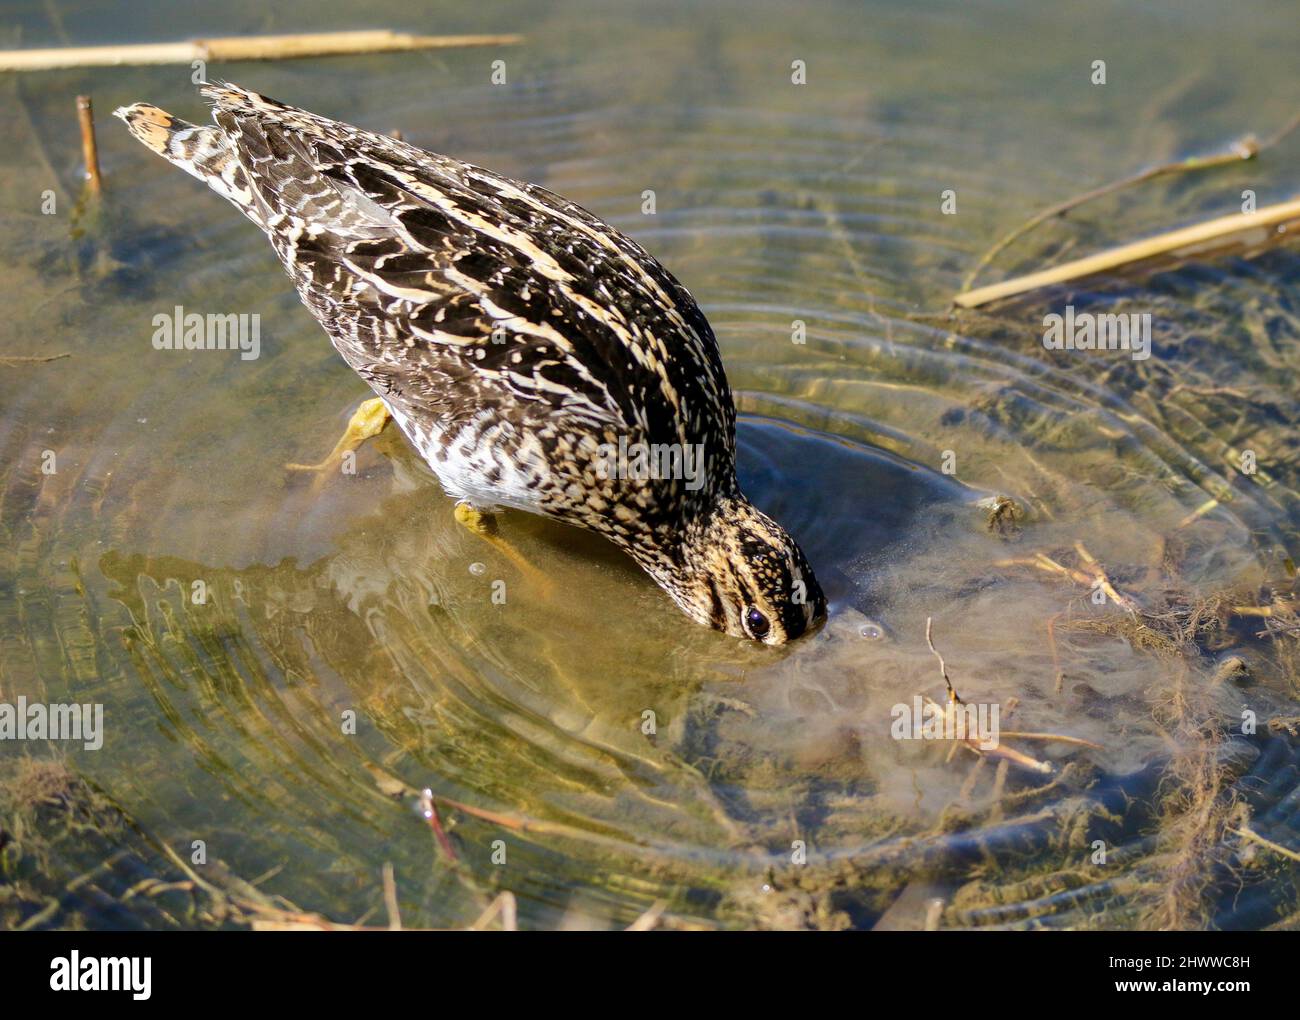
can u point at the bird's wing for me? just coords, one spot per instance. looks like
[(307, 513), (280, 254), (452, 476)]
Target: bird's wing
[(409, 255)]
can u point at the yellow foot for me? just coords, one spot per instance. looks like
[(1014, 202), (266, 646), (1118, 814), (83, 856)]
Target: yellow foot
[(367, 421), (485, 526)]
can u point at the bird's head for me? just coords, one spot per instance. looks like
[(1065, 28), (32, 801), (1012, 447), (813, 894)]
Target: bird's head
[(737, 570)]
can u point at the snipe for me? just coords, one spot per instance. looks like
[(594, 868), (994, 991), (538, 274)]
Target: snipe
[(516, 340)]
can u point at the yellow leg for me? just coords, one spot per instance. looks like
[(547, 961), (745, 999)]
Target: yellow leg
[(484, 525), (367, 421)]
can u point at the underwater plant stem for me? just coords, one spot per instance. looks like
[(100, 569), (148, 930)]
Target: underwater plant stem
[(1051, 737), (390, 898), (430, 811), (1056, 657)]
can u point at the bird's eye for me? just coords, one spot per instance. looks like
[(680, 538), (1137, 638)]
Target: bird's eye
[(756, 623)]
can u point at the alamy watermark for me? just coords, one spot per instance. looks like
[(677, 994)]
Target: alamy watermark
[(77, 973), (179, 330), (641, 461), (36, 721), (924, 719), (1088, 331)]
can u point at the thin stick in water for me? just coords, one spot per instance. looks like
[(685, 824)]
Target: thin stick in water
[(89, 150), (952, 694)]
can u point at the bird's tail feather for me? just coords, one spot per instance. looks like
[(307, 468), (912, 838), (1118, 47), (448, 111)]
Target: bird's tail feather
[(204, 152)]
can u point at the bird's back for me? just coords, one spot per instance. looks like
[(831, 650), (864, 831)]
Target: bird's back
[(460, 294)]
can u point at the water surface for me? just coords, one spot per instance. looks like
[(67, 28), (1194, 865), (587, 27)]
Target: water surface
[(769, 792)]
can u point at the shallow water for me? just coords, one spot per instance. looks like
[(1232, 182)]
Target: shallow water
[(769, 792)]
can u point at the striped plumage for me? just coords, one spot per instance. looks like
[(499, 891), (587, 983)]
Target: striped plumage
[(515, 339)]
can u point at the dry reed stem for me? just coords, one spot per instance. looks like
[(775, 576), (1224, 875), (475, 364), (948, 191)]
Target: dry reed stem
[(1197, 239), (233, 48), (1242, 149)]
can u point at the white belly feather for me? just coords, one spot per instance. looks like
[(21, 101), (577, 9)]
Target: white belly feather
[(468, 476)]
